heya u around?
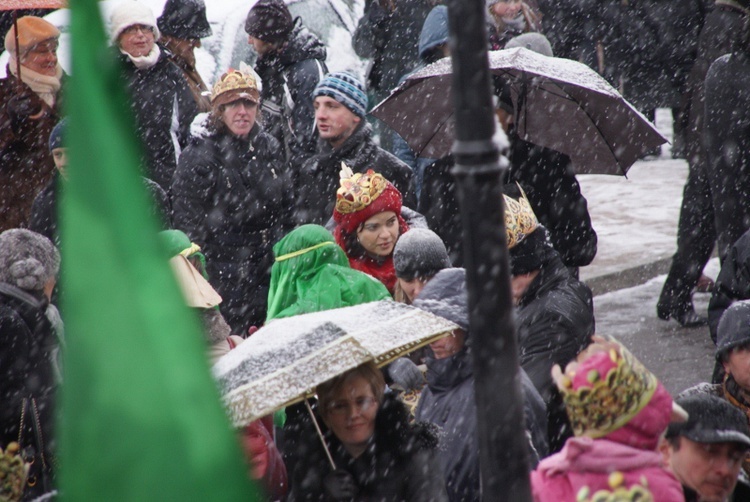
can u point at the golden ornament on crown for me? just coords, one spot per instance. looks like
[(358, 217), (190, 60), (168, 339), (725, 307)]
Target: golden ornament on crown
[(358, 191), (613, 399), (235, 80), (520, 219)]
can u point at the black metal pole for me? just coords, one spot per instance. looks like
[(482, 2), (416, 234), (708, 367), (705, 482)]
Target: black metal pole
[(502, 439)]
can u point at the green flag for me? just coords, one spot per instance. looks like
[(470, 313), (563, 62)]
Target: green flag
[(141, 415)]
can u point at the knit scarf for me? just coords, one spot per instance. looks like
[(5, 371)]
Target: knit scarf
[(147, 61), (45, 86)]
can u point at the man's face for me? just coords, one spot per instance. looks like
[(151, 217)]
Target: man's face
[(60, 156), (261, 48), (737, 364), (335, 121), (711, 469), (42, 58)]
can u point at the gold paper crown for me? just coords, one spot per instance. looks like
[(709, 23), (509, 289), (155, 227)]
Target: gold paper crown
[(235, 80), (357, 191), (619, 493), (609, 401), (13, 472), (520, 219)]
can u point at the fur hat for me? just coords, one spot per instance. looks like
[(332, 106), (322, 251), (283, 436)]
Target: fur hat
[(533, 41), (32, 31), (269, 21), (733, 329), (419, 253), (362, 196), (345, 88), (184, 19), (129, 13), (28, 260)]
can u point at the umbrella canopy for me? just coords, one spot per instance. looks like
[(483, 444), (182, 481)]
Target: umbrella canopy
[(285, 360), (559, 103)]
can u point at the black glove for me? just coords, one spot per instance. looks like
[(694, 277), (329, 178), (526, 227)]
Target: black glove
[(340, 485), (21, 106)]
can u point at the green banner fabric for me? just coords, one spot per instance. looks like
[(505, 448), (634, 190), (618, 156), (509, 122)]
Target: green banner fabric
[(141, 414)]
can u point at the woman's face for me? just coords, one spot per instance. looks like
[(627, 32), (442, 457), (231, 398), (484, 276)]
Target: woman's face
[(506, 9), (137, 40), (239, 116), (351, 414), (379, 233)]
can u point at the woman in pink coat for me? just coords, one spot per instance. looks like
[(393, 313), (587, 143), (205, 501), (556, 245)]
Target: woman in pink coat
[(618, 410)]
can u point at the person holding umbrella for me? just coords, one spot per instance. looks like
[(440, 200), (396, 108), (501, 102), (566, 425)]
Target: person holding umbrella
[(29, 111), (370, 451), (369, 223)]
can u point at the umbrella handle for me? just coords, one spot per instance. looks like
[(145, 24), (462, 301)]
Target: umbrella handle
[(19, 83), (320, 434)]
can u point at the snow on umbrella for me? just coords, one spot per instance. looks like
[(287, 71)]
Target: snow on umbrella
[(286, 359), (559, 104)]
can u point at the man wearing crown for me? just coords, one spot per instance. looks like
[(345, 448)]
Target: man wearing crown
[(554, 311), (340, 103)]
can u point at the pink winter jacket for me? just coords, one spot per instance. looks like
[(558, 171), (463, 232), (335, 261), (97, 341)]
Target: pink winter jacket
[(587, 464)]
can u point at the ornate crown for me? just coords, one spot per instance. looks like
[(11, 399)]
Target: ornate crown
[(235, 80), (520, 219), (619, 493), (13, 472), (357, 191), (604, 389)]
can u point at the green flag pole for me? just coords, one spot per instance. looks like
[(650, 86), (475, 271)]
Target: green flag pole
[(141, 415)]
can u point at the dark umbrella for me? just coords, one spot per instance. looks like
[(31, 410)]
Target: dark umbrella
[(16, 5), (560, 104)]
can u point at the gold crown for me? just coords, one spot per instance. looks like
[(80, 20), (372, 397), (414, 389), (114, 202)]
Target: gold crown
[(235, 80), (357, 191), (13, 471), (608, 401), (520, 219), (619, 493)]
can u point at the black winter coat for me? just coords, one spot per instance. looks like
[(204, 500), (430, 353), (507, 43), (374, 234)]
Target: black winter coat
[(550, 183), (554, 322), (732, 284), (27, 344), (727, 144), (289, 77), (159, 95), (319, 178), (399, 464), (231, 196), (391, 40)]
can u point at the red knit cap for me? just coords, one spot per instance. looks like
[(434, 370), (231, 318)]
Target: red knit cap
[(362, 196)]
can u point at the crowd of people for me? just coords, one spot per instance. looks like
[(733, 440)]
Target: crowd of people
[(279, 196)]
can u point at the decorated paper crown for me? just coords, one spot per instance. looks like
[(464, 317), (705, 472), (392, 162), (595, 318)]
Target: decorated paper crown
[(604, 388), (357, 191), (235, 84), (638, 492), (13, 472), (520, 219), (363, 195)]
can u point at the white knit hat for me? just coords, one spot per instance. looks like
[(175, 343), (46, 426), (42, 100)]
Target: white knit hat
[(129, 13)]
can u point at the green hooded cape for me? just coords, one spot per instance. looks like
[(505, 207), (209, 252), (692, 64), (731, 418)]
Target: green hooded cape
[(312, 273)]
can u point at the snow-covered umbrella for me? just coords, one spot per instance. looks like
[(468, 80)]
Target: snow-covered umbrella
[(285, 360), (559, 103)]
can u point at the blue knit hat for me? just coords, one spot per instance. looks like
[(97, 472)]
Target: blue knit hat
[(345, 88), (56, 136)]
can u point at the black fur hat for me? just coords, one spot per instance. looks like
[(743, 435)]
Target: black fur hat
[(184, 19)]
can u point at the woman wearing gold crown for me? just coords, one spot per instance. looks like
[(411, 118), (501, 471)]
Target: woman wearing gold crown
[(368, 223), (231, 196)]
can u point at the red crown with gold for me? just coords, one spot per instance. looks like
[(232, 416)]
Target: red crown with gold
[(363, 195)]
